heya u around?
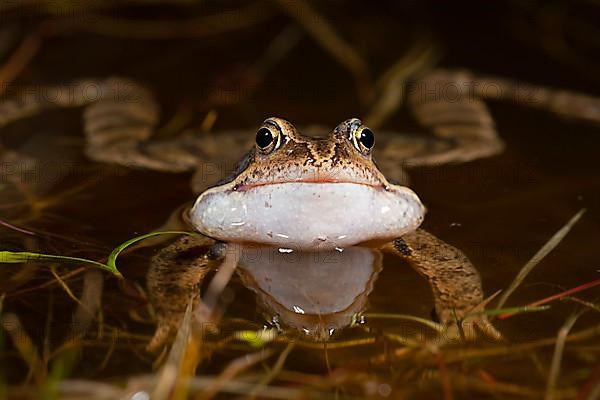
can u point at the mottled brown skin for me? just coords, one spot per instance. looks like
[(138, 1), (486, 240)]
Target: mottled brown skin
[(119, 125), (455, 282), (301, 158), (174, 281)]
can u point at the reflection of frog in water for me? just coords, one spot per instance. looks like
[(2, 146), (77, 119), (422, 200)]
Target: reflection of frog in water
[(305, 193), (316, 293), (299, 192)]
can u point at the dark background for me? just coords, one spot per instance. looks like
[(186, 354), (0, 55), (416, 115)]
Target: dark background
[(500, 211)]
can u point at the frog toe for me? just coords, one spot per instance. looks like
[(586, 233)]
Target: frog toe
[(485, 326), (469, 328), (165, 330)]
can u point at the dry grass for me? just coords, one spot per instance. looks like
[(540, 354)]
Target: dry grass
[(100, 355), (397, 362)]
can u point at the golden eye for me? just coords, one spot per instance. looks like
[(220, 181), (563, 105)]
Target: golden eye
[(364, 139), (268, 138)]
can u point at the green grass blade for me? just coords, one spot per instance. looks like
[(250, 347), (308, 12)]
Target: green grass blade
[(433, 325), (15, 257), (112, 258), (511, 310), (256, 338), (539, 256)]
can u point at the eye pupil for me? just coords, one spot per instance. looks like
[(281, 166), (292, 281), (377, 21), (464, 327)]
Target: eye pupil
[(264, 138), (367, 138)]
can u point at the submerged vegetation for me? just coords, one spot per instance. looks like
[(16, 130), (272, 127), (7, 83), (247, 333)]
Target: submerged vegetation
[(434, 356), (73, 325)]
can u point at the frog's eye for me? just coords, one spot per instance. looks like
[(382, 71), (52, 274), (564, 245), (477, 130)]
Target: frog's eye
[(268, 138), (363, 139)]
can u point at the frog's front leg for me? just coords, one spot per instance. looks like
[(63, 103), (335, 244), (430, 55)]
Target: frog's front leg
[(454, 280), (174, 280)]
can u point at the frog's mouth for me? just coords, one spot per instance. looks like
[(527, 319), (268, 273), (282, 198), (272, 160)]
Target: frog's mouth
[(317, 176), (311, 180), (307, 215)]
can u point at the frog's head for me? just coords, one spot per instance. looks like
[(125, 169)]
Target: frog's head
[(301, 192)]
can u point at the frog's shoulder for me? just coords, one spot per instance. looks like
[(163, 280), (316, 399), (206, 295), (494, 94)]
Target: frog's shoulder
[(227, 154)]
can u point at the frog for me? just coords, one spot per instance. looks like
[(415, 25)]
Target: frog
[(121, 116), (321, 193)]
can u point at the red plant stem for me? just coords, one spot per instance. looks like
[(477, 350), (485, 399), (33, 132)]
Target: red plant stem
[(444, 377), (557, 296), (16, 228)]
